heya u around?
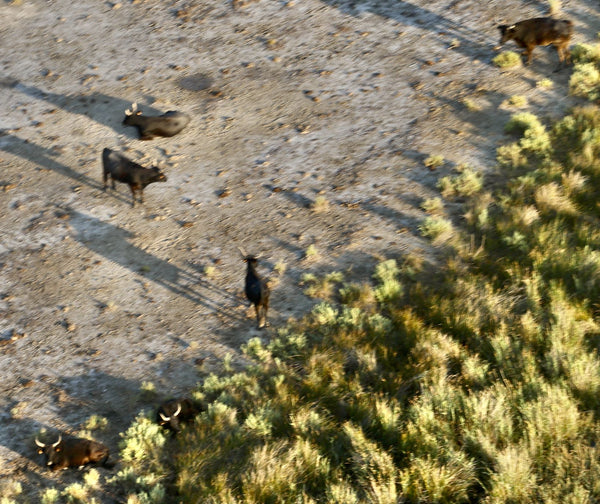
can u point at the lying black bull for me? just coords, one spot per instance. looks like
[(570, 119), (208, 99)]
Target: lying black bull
[(166, 125), (118, 167), (540, 32), (73, 453)]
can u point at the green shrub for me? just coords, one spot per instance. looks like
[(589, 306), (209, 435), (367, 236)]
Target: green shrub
[(438, 229), (434, 161), (534, 137), (389, 288), (467, 183), (433, 206), (585, 81), (518, 101), (323, 287), (545, 83), (585, 53), (507, 59)]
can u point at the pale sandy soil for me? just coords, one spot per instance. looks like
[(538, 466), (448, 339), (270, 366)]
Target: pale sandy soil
[(289, 101)]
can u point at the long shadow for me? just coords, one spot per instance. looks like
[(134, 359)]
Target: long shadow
[(473, 43), (19, 435), (588, 24), (113, 243), (400, 219), (18, 442), (296, 198), (102, 108), (45, 158)]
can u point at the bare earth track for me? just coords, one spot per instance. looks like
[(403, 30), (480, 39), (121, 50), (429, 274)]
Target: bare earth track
[(289, 101)]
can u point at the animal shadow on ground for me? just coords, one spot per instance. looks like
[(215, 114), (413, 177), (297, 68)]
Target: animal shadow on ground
[(19, 437), (104, 109), (396, 217), (43, 157), (586, 25), (19, 434), (113, 243), (473, 43)]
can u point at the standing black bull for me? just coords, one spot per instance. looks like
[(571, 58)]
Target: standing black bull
[(257, 290), (167, 125), (172, 413), (72, 453), (540, 32), (118, 167)]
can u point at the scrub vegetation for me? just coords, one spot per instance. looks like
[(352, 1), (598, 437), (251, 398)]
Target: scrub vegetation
[(474, 380)]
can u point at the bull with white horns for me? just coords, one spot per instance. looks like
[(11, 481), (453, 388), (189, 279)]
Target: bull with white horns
[(72, 452)]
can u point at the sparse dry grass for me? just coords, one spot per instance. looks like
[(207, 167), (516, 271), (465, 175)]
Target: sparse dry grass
[(320, 205)]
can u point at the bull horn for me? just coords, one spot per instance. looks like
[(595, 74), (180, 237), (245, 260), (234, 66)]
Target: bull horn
[(132, 110), (511, 27), (58, 442), (39, 443), (243, 252), (178, 410), (165, 419)]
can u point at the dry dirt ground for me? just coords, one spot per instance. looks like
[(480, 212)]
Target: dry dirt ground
[(290, 100)]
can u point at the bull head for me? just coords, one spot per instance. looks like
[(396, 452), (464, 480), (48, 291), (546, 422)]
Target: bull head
[(49, 449), (167, 419)]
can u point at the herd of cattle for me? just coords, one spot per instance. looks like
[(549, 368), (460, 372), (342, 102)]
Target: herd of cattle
[(74, 452)]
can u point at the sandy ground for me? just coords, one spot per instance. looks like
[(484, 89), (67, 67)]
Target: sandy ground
[(290, 100)]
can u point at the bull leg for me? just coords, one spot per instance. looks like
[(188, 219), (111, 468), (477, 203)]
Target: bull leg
[(262, 316), (265, 309), (132, 196), (564, 54), (528, 53), (257, 311), (105, 179)]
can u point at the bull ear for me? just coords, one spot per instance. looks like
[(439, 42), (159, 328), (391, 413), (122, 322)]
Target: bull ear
[(165, 419), (58, 442), (39, 443), (178, 410)]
